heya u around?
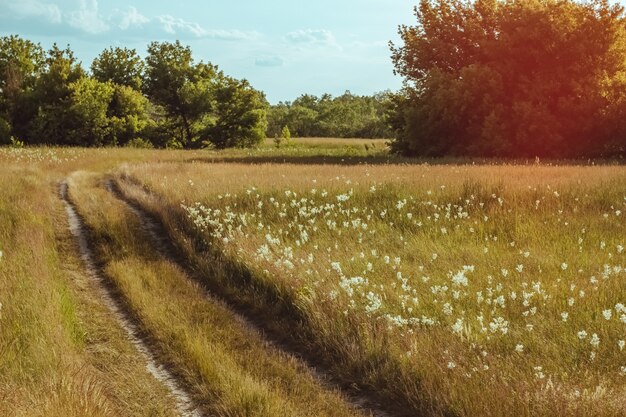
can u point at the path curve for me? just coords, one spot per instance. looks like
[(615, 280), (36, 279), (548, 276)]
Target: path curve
[(184, 403)]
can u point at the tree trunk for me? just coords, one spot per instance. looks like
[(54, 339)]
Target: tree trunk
[(187, 130)]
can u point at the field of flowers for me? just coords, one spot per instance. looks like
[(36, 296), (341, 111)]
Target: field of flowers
[(462, 290)]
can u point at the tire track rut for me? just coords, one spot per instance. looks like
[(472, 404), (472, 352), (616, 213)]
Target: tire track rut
[(164, 246), (184, 403)]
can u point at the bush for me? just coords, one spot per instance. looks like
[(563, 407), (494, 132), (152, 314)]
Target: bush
[(139, 143)]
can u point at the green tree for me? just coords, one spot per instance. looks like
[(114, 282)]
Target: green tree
[(174, 81), (88, 122), (119, 65), (285, 133), (21, 62), (52, 95), (304, 121), (129, 115), (511, 78), (239, 116)]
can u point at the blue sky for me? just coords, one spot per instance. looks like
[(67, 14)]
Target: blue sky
[(285, 48)]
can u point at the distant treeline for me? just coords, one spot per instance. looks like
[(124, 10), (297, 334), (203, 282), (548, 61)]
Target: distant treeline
[(164, 100), (345, 116)]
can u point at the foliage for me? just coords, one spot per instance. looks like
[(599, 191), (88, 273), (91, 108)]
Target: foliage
[(239, 116), (512, 78), (346, 116), (16, 143), (89, 103), (49, 98), (175, 82), (52, 98), (121, 66), (285, 133), (139, 143), (21, 62), (284, 138), (129, 115)]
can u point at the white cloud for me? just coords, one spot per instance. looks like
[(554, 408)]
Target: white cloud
[(35, 8), (87, 18), (312, 36), (132, 18), (176, 26), (272, 61)]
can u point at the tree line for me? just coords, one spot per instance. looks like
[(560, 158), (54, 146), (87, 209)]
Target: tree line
[(164, 100), (345, 116), (492, 78), (512, 78)]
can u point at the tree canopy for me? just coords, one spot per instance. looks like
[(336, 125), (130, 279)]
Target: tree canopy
[(239, 116), (121, 66), (166, 100), (517, 78), (21, 63)]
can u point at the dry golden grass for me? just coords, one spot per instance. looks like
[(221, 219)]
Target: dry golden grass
[(227, 364), (61, 353), (498, 366)]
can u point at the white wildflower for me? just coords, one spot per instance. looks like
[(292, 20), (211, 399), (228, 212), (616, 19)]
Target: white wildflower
[(499, 324), (460, 279), (375, 302), (595, 340), (336, 266), (458, 326)]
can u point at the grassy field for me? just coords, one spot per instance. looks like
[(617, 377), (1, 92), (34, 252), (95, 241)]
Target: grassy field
[(432, 288), (61, 353)]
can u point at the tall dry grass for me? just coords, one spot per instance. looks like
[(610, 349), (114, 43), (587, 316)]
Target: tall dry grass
[(516, 273), (61, 351), (230, 369)]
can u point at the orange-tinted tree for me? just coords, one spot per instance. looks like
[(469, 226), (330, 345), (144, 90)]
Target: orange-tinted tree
[(515, 78)]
